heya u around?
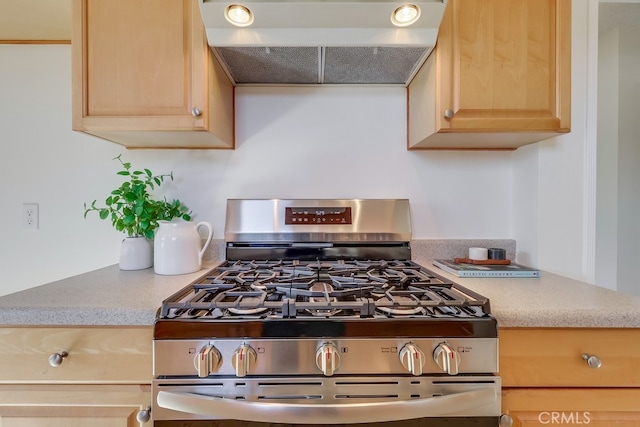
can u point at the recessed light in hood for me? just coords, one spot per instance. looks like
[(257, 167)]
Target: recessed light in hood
[(338, 33), (238, 15), (405, 15)]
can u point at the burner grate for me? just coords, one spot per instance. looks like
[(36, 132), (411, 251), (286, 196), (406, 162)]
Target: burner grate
[(323, 289)]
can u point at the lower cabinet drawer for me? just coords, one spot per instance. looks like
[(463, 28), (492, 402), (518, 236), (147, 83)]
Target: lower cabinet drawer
[(593, 407), (103, 355), (64, 405), (554, 357)]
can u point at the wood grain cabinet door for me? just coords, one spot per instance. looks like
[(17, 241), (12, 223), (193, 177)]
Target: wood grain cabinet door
[(499, 76), (103, 380), (506, 65), (73, 405), (554, 357), (99, 355), (588, 407), (548, 381), (142, 71)]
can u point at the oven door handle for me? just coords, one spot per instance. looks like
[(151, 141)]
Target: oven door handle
[(481, 402)]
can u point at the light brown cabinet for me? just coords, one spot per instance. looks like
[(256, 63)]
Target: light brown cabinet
[(546, 380), (105, 380), (498, 78), (144, 76), (590, 406)]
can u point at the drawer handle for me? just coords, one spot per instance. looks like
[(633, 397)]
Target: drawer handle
[(144, 415), (56, 359), (505, 420), (592, 360)]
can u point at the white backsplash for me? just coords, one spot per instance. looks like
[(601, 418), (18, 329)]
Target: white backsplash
[(421, 250)]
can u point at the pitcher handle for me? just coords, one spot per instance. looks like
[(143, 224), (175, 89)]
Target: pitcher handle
[(209, 236)]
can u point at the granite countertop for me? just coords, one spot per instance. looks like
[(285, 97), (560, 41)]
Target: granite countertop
[(109, 296), (551, 301)]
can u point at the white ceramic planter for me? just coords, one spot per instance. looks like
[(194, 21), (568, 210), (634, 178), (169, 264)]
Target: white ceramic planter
[(136, 253)]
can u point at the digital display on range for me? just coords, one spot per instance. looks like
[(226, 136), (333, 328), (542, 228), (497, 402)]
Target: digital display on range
[(317, 215)]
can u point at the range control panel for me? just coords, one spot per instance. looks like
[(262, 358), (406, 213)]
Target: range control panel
[(344, 356), (318, 215)]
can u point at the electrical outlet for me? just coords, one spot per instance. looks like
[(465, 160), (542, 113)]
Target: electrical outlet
[(30, 216)]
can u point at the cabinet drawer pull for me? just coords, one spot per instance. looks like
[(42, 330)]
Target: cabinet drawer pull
[(196, 112), (505, 420), (448, 113), (144, 415), (592, 360), (56, 359)]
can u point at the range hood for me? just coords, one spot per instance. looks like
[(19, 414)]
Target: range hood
[(330, 42)]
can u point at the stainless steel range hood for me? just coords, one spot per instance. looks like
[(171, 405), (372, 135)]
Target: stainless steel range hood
[(310, 42)]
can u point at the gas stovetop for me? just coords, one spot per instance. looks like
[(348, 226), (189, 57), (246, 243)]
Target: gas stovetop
[(320, 289), (337, 289), (301, 268)]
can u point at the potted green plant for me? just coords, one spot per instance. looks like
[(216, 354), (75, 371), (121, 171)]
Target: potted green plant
[(132, 210)]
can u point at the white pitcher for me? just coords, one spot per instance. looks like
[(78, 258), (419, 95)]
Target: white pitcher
[(177, 247)]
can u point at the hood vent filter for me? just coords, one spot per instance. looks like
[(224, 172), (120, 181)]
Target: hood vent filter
[(321, 65)]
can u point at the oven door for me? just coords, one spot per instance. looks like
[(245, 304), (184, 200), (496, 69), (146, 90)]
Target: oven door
[(388, 401)]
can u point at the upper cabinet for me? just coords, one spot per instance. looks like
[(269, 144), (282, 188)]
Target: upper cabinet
[(498, 78), (144, 76)]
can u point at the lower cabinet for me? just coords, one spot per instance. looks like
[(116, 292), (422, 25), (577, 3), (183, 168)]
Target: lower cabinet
[(75, 376), (72, 405), (565, 406), (571, 376)]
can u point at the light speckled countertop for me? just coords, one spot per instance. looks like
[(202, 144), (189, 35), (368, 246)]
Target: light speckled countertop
[(551, 301), (109, 296)]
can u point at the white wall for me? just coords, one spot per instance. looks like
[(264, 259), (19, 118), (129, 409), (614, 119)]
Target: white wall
[(290, 143), (607, 184), (618, 197), (304, 142), (628, 160), (551, 179)]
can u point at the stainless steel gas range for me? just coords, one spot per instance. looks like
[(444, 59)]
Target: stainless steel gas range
[(318, 316)]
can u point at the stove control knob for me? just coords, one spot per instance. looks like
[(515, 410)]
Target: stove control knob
[(207, 360), (412, 358), (243, 359), (446, 358), (327, 359)]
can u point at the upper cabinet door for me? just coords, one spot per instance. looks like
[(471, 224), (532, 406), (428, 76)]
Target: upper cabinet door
[(142, 70), (498, 78)]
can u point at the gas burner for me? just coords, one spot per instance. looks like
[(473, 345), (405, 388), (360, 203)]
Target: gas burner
[(248, 311), (321, 296), (403, 303), (402, 311), (321, 289)]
